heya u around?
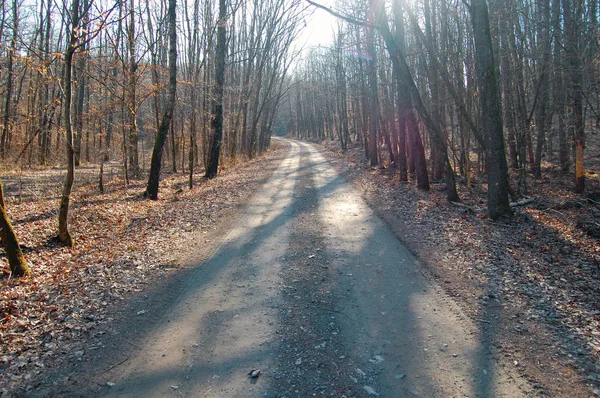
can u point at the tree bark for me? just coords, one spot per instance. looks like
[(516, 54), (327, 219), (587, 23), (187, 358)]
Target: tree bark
[(9, 81), (132, 136), (63, 214), (572, 10), (80, 95), (544, 95), (373, 101), (16, 261), (491, 112), (167, 119), (217, 116)]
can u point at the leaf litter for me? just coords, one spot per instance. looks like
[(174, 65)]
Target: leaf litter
[(123, 243)]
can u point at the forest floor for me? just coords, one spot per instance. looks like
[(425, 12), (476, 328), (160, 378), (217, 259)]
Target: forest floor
[(531, 281)]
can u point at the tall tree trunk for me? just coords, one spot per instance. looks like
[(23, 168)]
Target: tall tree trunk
[(397, 55), (80, 95), (47, 109), (572, 11), (132, 136), (544, 94), (373, 101), (558, 87), (163, 129), (217, 116), (399, 88), (434, 86), (491, 112), (9, 81), (63, 214)]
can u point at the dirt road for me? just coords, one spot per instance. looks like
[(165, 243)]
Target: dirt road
[(313, 289)]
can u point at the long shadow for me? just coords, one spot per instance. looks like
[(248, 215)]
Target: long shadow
[(484, 364), (544, 288), (371, 258), (37, 217), (547, 310), (543, 295), (164, 296), (394, 322), (481, 370), (75, 205)]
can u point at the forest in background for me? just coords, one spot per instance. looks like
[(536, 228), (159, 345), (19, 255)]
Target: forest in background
[(410, 82), (92, 81), (120, 78), (433, 89)]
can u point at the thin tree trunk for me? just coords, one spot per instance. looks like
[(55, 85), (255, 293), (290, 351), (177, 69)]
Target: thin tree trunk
[(9, 81), (63, 214), (572, 10), (544, 96), (132, 135), (80, 95), (167, 119)]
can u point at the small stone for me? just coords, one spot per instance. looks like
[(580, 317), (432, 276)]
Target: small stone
[(594, 377), (110, 384), (377, 359), (174, 388), (370, 390), (400, 376), (254, 373), (454, 355)]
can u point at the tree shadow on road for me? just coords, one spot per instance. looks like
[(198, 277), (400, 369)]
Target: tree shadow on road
[(351, 319)]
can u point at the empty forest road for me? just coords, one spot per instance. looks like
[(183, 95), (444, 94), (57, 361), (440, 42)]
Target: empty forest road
[(313, 289)]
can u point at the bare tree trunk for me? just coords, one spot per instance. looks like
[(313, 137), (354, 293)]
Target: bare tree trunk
[(9, 80), (46, 108), (63, 214), (544, 95), (397, 55), (134, 168), (163, 130), (398, 87), (572, 11), (373, 115), (217, 116), (491, 112), (80, 77), (558, 87), (16, 261), (434, 86)]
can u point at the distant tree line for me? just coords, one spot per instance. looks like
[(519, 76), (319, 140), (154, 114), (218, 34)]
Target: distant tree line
[(89, 81), (435, 88)]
